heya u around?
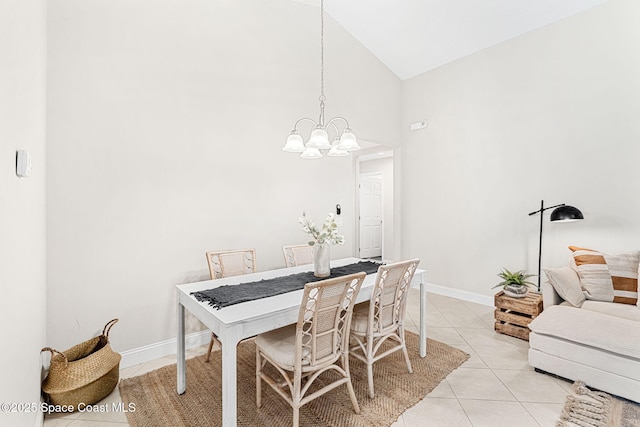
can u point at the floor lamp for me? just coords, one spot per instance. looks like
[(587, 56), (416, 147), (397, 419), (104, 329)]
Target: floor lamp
[(561, 213)]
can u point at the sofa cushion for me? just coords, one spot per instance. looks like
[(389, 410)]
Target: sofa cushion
[(624, 366), (608, 277), (587, 327), (566, 283), (625, 311)]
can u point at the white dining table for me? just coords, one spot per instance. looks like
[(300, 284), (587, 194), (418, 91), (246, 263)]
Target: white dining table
[(240, 321)]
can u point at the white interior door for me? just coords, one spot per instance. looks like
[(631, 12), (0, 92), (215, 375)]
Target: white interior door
[(371, 215)]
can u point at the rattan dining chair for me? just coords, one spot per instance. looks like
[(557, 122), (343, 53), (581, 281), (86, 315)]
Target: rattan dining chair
[(226, 264), (297, 255), (382, 318), (231, 263), (317, 343)]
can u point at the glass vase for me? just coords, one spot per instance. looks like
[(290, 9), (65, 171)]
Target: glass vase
[(321, 260)]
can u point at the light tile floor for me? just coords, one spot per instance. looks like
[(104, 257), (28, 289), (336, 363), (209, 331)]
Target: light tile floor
[(496, 387)]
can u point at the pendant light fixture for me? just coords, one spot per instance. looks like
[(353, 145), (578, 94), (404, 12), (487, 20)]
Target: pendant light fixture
[(318, 142)]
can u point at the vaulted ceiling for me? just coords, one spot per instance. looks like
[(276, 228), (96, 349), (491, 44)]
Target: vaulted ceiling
[(414, 36)]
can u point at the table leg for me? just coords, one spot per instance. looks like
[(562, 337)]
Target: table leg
[(423, 315), (229, 381), (182, 373)]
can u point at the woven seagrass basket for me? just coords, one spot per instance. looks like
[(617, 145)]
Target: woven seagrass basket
[(86, 373)]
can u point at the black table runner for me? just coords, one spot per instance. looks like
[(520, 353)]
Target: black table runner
[(227, 295)]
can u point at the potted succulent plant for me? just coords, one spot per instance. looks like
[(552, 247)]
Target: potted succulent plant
[(514, 284)]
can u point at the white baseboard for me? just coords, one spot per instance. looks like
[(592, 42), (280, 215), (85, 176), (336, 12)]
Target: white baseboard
[(161, 349), (460, 294)]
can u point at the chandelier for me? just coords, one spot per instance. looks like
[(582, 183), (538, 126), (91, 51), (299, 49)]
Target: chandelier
[(318, 142)]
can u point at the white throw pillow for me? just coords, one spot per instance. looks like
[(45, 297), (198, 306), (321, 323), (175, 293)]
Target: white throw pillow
[(566, 282)]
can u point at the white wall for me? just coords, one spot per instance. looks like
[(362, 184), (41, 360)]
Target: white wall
[(22, 205), (549, 115), (166, 121), (384, 166)]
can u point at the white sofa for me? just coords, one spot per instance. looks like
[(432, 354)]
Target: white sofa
[(598, 343)]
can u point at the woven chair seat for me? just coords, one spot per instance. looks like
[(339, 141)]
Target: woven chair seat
[(360, 319), (280, 346)]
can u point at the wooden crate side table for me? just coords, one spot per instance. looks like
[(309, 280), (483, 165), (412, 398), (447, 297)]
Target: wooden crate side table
[(513, 315)]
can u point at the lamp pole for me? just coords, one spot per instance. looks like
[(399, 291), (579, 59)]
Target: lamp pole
[(541, 211), (540, 242)]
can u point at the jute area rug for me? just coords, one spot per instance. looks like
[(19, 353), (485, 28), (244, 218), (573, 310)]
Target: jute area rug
[(157, 402), (591, 408)]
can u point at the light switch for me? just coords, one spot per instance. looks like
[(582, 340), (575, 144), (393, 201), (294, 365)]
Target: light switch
[(23, 163)]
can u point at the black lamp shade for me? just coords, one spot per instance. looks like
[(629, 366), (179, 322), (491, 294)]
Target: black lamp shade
[(566, 213)]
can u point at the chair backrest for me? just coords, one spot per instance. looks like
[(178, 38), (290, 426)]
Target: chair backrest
[(297, 255), (231, 263), (389, 297), (322, 331)]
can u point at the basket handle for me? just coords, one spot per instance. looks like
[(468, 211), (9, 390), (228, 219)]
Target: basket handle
[(108, 326), (54, 352)]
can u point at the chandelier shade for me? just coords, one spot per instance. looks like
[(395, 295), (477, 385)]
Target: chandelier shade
[(319, 136), (348, 141), (319, 139), (335, 150), (311, 153), (294, 144)]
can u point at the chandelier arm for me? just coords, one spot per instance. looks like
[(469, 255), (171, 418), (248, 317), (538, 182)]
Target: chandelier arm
[(304, 119), (334, 127), (338, 118)]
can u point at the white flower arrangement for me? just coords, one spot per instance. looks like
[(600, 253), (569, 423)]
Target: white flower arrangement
[(328, 234)]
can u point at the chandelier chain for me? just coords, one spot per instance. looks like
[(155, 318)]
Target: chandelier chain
[(322, 98)]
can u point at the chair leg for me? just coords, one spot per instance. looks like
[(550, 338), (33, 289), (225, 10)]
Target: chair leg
[(296, 416), (406, 358), (258, 380), (370, 355), (404, 350), (211, 342), (352, 393), (372, 393), (296, 397)]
